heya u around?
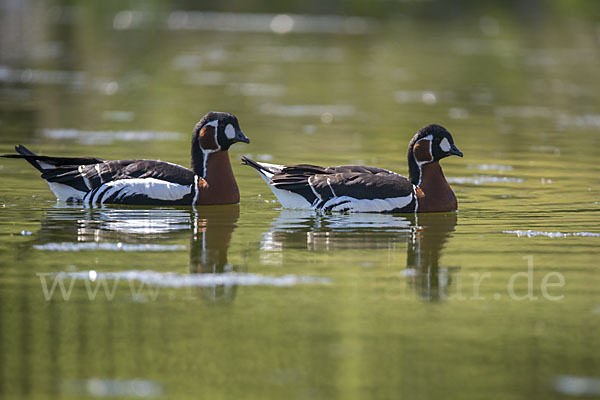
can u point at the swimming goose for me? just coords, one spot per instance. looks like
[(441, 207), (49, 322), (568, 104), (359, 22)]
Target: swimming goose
[(352, 188), (90, 180)]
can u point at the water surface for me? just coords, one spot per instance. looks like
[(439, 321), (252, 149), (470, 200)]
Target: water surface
[(499, 300)]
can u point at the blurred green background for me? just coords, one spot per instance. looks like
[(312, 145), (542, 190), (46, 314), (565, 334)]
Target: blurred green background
[(414, 306)]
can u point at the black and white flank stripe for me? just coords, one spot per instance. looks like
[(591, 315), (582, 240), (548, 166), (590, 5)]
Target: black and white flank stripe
[(96, 181), (345, 188)]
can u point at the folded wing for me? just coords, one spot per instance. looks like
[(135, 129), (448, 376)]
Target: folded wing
[(344, 188)]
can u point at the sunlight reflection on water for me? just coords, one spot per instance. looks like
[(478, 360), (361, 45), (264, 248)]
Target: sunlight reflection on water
[(108, 137), (100, 387), (577, 385), (90, 246), (175, 280), (531, 233)]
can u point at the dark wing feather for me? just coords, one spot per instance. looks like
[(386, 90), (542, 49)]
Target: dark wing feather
[(158, 169), (95, 175), (358, 182), (362, 185), (359, 169)]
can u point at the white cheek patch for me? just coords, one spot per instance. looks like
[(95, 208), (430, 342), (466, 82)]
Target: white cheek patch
[(230, 131), (445, 145)]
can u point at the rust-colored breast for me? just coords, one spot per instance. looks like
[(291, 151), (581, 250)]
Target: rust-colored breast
[(434, 193), (219, 185)]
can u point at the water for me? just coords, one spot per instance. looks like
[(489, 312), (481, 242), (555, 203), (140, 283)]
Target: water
[(498, 300)]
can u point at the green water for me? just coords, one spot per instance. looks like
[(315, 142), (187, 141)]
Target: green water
[(499, 300)]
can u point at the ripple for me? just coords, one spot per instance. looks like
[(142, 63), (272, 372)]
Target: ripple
[(482, 179), (577, 385), (294, 54), (275, 23), (77, 80), (175, 280), (532, 233), (417, 96), (40, 76), (305, 110), (144, 222), (108, 137), (95, 225), (308, 219), (587, 121), (256, 89), (87, 246), (526, 112), (99, 387), (490, 167)]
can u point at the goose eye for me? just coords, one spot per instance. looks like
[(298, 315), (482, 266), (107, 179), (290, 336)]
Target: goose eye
[(230, 131), (445, 145)]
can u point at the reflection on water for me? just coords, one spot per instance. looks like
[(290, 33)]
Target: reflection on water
[(577, 385), (108, 137), (211, 229), (210, 240), (276, 23), (208, 250), (111, 388), (425, 234), (517, 82), (67, 246), (316, 231), (112, 225), (430, 280), (115, 229)]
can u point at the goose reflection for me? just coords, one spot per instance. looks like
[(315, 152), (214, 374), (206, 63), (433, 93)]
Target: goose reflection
[(429, 235), (67, 229), (316, 231), (80, 226), (425, 234), (209, 246)]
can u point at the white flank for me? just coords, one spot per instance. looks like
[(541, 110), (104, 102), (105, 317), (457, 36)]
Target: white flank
[(286, 198), (151, 187), (295, 201), (64, 192), (290, 199), (366, 205)]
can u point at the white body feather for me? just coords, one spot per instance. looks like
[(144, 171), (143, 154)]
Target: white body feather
[(151, 187), (295, 201), (64, 192)]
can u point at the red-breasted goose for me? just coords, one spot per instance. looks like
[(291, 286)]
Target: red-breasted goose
[(91, 180), (368, 189)]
